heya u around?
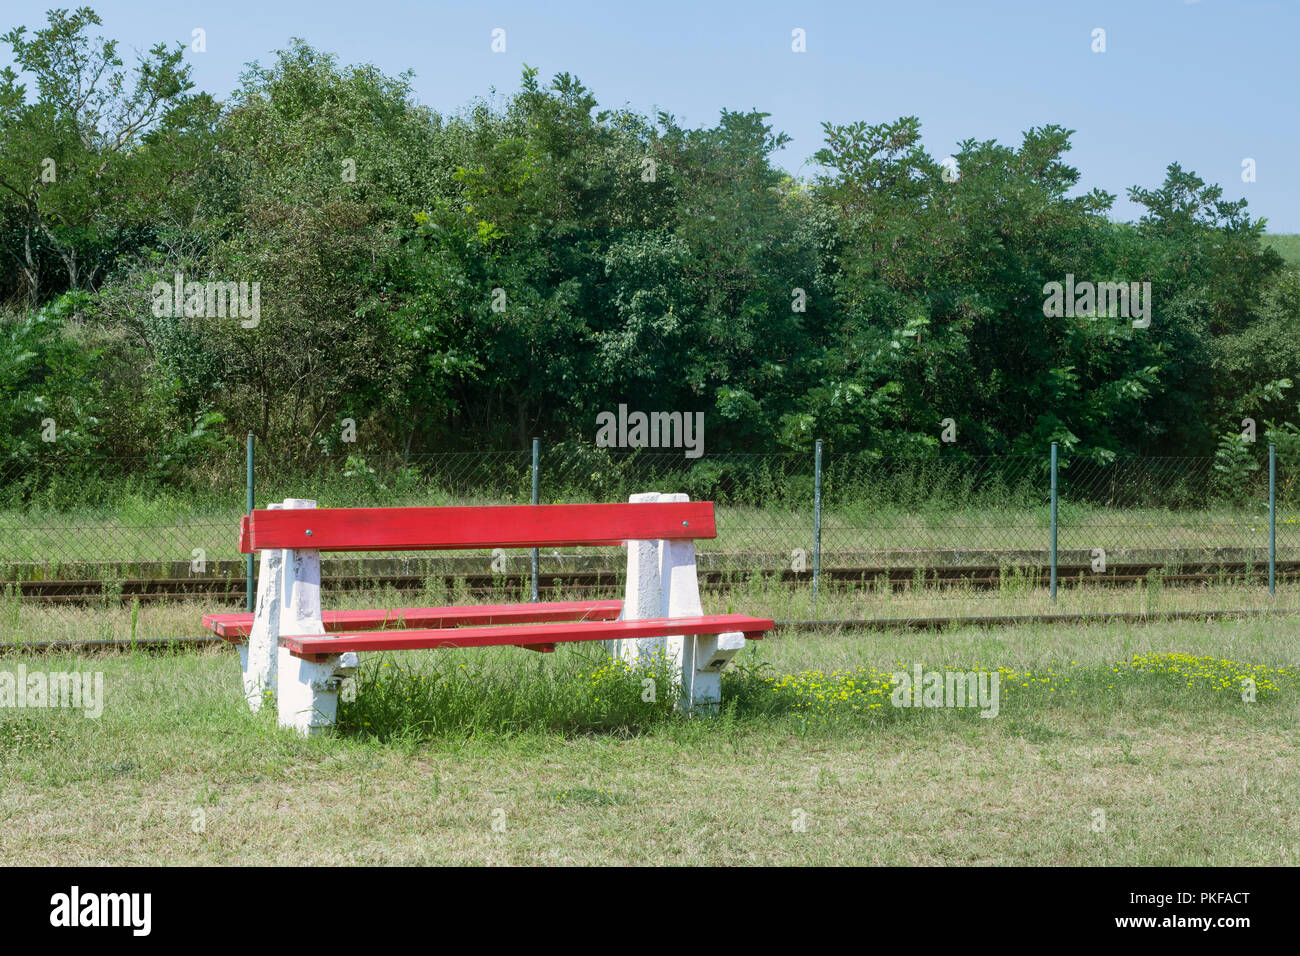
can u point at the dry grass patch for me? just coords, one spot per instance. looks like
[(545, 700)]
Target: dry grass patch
[(177, 772)]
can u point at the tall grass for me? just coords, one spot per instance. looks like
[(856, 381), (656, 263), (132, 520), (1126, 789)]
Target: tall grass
[(581, 692), (504, 693)]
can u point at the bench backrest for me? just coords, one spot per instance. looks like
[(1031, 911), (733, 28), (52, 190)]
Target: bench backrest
[(466, 528)]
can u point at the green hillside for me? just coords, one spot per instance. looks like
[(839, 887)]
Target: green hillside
[(1287, 246)]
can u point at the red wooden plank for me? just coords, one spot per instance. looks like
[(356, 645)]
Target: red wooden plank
[(236, 626), (752, 627), (498, 526), (228, 625)]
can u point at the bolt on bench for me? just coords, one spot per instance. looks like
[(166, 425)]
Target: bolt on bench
[(289, 648)]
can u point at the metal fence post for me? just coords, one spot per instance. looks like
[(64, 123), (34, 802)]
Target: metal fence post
[(817, 522), (1054, 496), (248, 558), (536, 488), (1272, 518)]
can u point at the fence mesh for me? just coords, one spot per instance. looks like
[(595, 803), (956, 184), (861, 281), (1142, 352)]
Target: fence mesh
[(896, 534)]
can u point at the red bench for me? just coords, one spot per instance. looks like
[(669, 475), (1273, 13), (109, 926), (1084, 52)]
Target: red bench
[(290, 648)]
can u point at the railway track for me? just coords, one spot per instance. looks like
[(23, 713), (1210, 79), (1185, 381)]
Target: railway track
[(230, 589), (165, 644)]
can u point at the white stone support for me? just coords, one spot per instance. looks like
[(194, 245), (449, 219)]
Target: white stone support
[(697, 660), (307, 691), (257, 657), (662, 581), (644, 596), (288, 602)]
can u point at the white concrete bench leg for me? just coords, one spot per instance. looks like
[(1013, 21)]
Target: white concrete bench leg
[(697, 660), (643, 597), (307, 691), (257, 657), (662, 581)]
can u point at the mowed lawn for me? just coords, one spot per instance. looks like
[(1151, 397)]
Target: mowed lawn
[(509, 757)]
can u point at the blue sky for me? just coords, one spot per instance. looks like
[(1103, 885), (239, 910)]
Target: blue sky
[(1206, 83)]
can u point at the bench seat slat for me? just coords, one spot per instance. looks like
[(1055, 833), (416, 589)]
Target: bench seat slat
[(235, 627), (501, 526), (524, 635)]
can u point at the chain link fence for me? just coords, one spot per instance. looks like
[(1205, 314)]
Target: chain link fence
[(939, 529)]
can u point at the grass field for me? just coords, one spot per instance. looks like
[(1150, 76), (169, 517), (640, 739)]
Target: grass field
[(1287, 246), (1104, 751)]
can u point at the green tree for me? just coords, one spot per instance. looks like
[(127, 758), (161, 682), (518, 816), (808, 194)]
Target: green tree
[(85, 161)]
